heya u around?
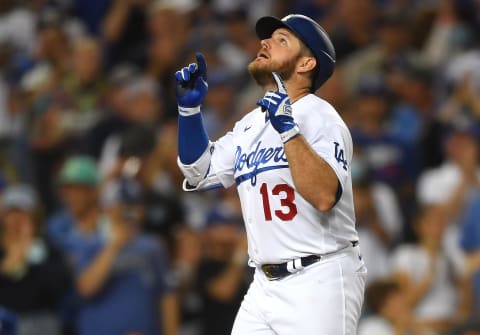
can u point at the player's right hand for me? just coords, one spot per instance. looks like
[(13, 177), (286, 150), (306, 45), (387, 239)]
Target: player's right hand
[(191, 85)]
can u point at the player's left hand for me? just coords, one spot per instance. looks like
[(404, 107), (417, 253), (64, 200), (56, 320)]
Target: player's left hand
[(277, 105)]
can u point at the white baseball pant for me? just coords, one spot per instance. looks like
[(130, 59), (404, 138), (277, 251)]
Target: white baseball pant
[(324, 298)]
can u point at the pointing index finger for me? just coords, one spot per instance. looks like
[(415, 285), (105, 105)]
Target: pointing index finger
[(280, 84), (202, 65)]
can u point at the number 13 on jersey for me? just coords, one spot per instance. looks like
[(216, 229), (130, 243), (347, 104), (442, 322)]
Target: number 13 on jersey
[(286, 194)]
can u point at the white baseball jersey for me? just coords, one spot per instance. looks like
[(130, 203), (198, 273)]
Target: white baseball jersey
[(281, 225)]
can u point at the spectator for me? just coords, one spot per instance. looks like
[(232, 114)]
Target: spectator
[(451, 32), (186, 256), (434, 287), (169, 28), (462, 77), (318, 10), (124, 273), (355, 30), (450, 184), (91, 12), (391, 314), (114, 118), (162, 175), (124, 30), (470, 242), (52, 50), (141, 157), (378, 218), (414, 118), (17, 26), (33, 277), (219, 103), (391, 47), (67, 111), (334, 91), (386, 154), (49, 105), (49, 141), (239, 46), (143, 108), (85, 85), (76, 221), (222, 276), (78, 183)]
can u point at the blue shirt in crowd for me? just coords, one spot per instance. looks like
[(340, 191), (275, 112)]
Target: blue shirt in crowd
[(470, 237), (130, 299)]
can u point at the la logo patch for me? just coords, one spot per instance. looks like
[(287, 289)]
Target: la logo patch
[(340, 156)]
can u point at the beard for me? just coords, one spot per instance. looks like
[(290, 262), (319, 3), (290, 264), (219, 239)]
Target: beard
[(262, 71)]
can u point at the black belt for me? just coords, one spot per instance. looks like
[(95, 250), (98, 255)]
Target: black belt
[(282, 270)]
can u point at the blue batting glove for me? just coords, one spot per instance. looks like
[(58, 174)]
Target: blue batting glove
[(191, 86), (277, 105)]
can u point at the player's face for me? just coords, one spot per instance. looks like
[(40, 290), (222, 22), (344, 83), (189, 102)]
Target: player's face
[(278, 53)]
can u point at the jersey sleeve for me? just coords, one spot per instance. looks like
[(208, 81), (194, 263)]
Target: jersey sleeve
[(220, 171), (334, 145)]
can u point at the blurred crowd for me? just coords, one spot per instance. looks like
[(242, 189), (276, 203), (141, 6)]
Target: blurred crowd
[(96, 234)]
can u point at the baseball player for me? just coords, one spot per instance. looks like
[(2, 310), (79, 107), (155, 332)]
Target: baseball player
[(290, 160)]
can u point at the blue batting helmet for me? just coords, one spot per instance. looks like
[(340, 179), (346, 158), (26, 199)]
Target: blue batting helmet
[(311, 34)]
